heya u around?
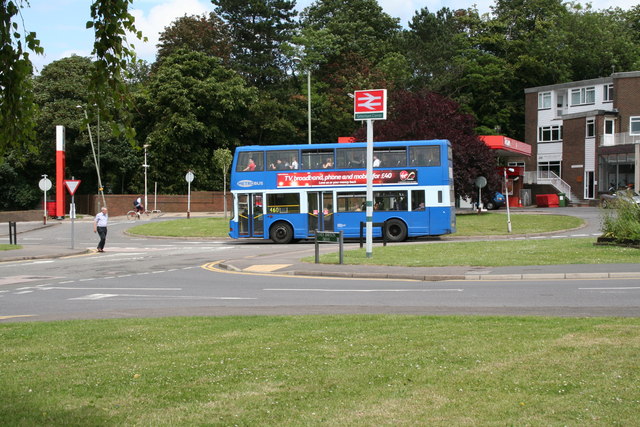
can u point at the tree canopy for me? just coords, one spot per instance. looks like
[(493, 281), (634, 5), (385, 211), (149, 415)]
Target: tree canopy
[(240, 76)]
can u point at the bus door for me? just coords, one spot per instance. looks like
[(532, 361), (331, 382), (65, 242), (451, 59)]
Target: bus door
[(320, 211), (250, 218)]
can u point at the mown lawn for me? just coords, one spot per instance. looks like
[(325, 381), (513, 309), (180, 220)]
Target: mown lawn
[(322, 370), (486, 224), (5, 247), (192, 227), (495, 253)]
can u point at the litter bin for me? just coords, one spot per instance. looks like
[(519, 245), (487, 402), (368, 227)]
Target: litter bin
[(562, 200), (51, 208)]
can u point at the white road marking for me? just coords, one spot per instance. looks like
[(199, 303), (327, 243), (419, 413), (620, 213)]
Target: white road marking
[(611, 289), (69, 288), (22, 279), (361, 290), (102, 296)]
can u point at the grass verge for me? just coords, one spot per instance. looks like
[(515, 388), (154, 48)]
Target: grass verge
[(495, 224), (495, 253), (5, 247), (468, 225), (192, 227), (321, 370)]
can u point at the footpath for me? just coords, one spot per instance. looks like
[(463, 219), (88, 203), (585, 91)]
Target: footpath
[(284, 261)]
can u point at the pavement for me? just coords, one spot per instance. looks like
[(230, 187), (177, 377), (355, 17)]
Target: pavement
[(284, 261)]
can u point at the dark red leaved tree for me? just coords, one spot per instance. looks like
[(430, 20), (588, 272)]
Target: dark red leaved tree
[(427, 115)]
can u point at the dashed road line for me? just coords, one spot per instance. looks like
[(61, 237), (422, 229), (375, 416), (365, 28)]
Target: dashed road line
[(360, 290)]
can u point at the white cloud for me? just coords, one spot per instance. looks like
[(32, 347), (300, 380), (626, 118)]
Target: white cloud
[(160, 16)]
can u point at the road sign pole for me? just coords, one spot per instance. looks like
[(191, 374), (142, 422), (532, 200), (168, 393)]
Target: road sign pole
[(72, 213), (45, 185), (370, 105), (72, 185), (189, 177), (369, 232), (44, 217)]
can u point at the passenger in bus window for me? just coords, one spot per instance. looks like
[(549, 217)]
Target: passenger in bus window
[(376, 161), (251, 166), (277, 166), (328, 164), (294, 163)]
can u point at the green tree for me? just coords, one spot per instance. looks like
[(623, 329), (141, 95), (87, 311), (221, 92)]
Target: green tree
[(62, 95), (260, 30), (16, 96), (222, 159), (111, 21), (206, 34), (347, 45), (331, 29), (192, 105), (426, 115)]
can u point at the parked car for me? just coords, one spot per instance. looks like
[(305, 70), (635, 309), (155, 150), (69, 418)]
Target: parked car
[(496, 201), (609, 199)]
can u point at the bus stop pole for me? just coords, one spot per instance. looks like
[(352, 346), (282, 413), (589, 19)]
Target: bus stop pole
[(369, 233)]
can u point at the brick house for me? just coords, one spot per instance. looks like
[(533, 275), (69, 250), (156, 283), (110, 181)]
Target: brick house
[(585, 135)]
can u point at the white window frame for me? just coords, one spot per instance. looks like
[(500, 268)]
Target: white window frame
[(634, 125), (590, 129), (607, 93), (583, 96), (550, 133), (544, 100)]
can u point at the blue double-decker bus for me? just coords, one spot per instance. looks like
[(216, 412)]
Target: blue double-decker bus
[(287, 192)]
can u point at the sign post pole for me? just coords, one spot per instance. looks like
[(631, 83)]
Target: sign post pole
[(369, 231), (189, 178), (45, 185), (72, 186), (370, 105)]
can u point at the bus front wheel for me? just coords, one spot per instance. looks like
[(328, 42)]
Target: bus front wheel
[(396, 230), (281, 232)]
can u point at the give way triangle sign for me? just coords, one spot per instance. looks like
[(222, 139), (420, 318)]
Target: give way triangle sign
[(72, 185)]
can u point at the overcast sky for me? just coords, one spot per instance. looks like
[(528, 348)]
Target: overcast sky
[(60, 24)]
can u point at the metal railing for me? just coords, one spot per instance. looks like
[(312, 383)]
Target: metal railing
[(550, 178), (621, 138)]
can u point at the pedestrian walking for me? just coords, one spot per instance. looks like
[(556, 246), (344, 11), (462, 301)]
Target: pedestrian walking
[(100, 227)]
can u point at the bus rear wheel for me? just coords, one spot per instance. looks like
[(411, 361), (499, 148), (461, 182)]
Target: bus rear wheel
[(281, 232), (396, 230)]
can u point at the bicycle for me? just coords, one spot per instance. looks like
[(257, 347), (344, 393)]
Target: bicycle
[(135, 214)]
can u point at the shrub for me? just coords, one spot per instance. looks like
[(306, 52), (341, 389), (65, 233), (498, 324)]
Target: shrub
[(623, 222)]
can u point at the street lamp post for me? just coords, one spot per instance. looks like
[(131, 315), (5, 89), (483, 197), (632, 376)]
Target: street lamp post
[(297, 59), (309, 104), (145, 166), (95, 160)]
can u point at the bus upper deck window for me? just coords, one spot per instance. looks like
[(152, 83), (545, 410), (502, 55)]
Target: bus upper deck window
[(250, 161), (425, 156)]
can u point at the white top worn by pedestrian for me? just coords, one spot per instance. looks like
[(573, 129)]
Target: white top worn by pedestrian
[(100, 227), (101, 219)]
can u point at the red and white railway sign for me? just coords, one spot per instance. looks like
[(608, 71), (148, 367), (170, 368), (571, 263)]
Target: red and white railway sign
[(370, 104)]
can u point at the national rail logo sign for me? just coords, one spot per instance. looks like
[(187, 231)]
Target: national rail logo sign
[(370, 104)]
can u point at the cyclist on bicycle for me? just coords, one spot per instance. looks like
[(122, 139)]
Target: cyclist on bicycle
[(138, 205)]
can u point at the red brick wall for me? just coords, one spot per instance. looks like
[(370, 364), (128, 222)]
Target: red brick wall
[(573, 154), (627, 100), (120, 204), (531, 129)]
